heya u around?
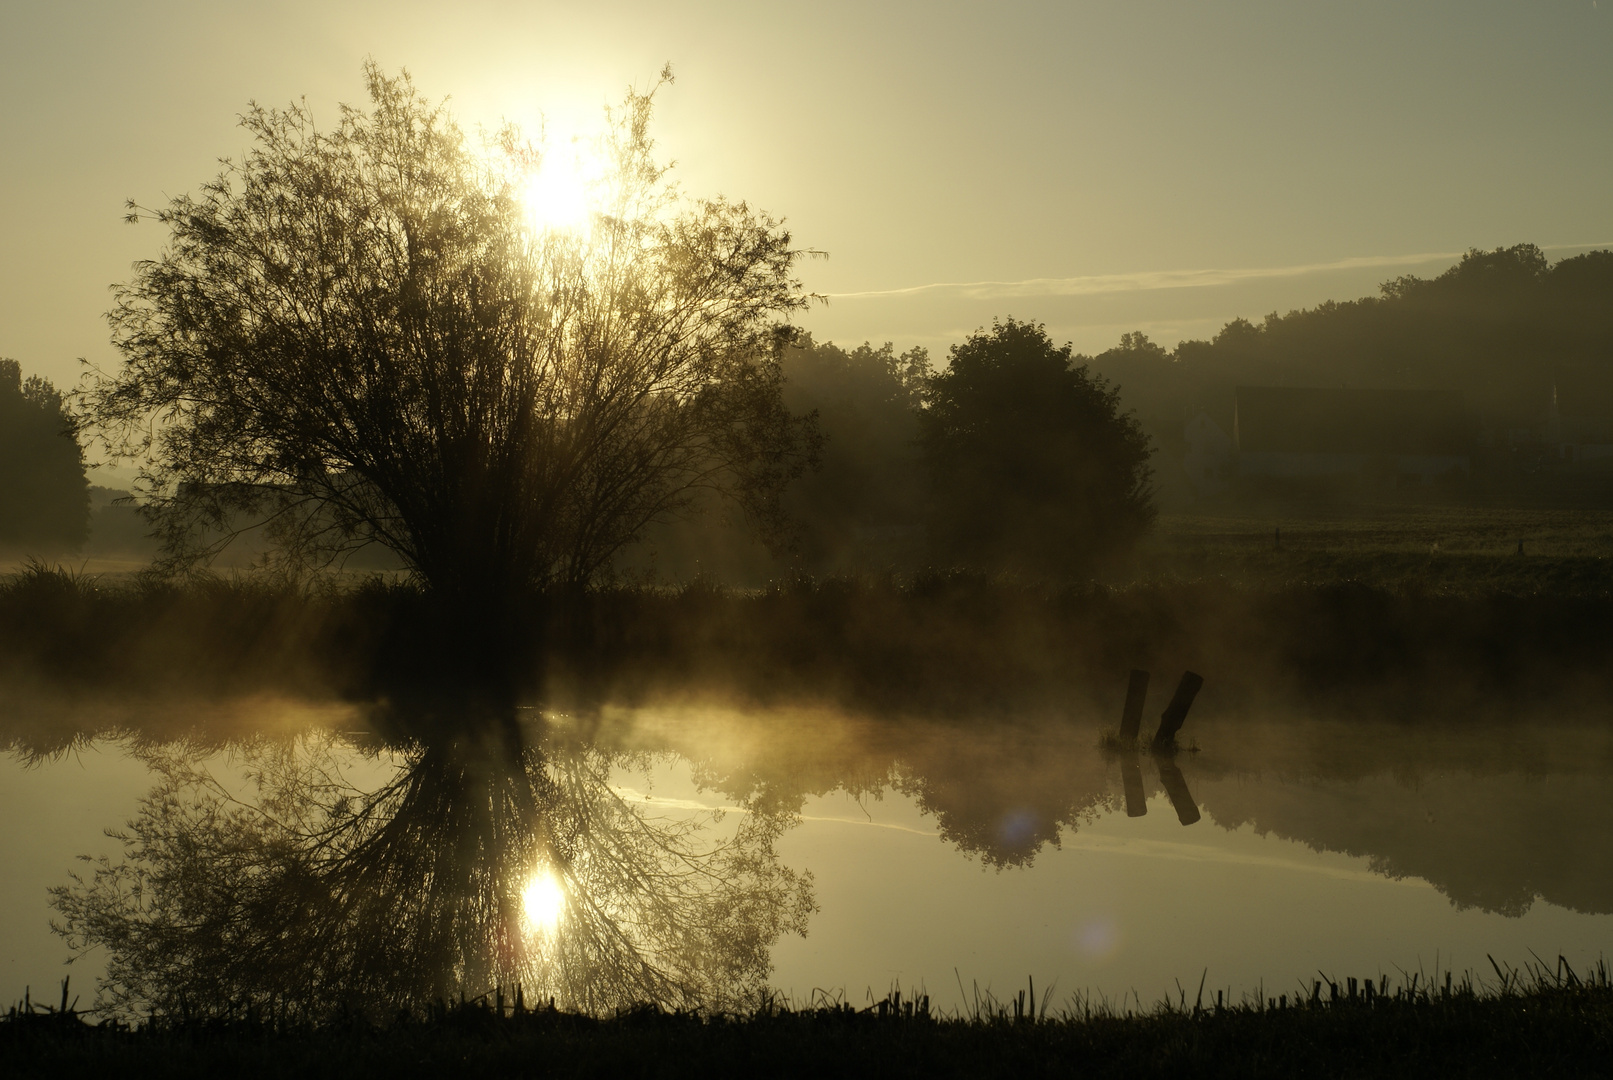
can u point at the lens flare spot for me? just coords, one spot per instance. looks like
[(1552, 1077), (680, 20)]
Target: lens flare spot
[(1018, 829), (543, 902), (1098, 938)]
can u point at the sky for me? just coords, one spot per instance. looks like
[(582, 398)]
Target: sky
[(1098, 167)]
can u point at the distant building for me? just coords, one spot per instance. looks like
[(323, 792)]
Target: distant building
[(1284, 431)]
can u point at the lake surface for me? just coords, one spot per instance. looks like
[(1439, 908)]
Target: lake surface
[(680, 853)]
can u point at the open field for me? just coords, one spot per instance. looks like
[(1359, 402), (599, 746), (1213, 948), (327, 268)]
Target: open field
[(1460, 549), (1390, 527), (1446, 546)]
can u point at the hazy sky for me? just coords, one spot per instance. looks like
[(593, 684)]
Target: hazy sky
[(1099, 166)]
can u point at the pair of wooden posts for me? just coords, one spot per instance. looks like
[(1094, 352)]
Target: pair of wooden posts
[(1170, 722)]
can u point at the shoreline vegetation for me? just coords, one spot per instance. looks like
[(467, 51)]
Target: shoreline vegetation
[(1339, 633), (1545, 1019)]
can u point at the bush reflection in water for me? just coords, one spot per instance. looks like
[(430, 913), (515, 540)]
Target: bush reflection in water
[(311, 896)]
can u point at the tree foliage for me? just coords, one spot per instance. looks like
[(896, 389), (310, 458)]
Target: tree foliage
[(869, 476), (358, 336), (44, 494), (1032, 467)]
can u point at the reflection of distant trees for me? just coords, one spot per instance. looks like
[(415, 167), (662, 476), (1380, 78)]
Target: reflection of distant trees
[(1001, 796), (1495, 819), (1497, 843), (1004, 817), (304, 891)]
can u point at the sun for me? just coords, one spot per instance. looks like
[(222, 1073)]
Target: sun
[(557, 194), (543, 902)]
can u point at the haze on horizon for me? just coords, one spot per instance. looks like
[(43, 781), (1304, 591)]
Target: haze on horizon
[(1100, 167)]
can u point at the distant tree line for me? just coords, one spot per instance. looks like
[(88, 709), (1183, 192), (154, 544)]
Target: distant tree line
[(1023, 456), (867, 492), (44, 494), (1013, 458), (1502, 327), (1019, 454)]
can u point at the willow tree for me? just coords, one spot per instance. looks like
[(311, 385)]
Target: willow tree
[(360, 336)]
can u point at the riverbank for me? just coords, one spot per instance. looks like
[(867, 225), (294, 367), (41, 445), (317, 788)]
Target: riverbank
[(937, 645), (1542, 1022)]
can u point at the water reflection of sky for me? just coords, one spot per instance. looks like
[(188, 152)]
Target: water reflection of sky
[(950, 857)]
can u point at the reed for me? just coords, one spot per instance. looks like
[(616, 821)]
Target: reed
[(1542, 1019)]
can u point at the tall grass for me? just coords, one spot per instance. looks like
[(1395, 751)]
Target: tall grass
[(1544, 1019)]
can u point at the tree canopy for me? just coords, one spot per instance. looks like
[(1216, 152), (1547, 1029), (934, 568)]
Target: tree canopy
[(358, 335), (44, 494), (1032, 467)]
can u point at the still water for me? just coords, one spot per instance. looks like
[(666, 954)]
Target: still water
[(699, 856)]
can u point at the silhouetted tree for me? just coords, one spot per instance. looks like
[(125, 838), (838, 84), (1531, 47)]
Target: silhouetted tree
[(358, 336), (1032, 468), (869, 476), (44, 494)]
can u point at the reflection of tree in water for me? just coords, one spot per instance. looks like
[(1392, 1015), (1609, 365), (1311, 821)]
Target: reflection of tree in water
[(1008, 818), (997, 793), (1002, 828), (309, 893)]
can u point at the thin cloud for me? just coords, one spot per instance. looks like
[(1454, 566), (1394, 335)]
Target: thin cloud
[(1150, 280)]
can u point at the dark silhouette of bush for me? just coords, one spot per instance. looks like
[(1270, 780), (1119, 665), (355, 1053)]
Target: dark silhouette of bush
[(863, 505), (44, 494), (1032, 468)]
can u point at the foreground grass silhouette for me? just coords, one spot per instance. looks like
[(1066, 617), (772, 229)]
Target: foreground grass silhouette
[(1536, 1022)]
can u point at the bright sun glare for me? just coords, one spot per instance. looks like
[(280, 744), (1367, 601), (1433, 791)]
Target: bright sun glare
[(543, 901), (557, 193)]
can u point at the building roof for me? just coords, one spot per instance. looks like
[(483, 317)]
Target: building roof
[(1292, 419)]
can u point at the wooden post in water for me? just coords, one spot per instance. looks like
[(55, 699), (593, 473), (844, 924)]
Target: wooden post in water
[(1131, 721), (1131, 775), (1175, 714), (1187, 811)]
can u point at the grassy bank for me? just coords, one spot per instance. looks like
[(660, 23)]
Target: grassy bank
[(938, 644), (1460, 550), (1543, 1022)]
